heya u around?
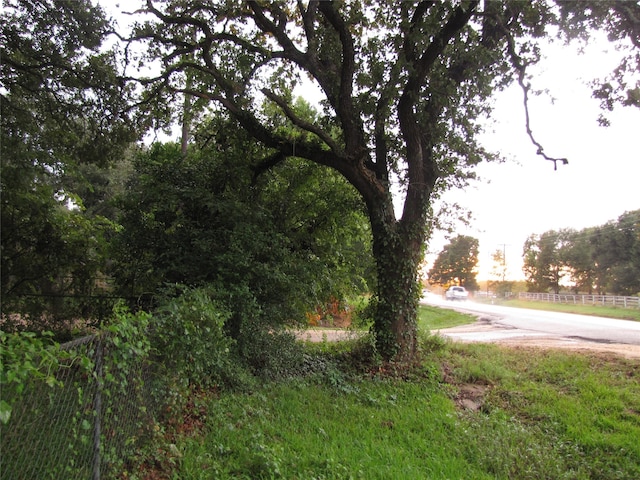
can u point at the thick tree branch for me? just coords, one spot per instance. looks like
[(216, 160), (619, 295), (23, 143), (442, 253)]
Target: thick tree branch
[(277, 30), (456, 22), (266, 164), (308, 22), (409, 49), (286, 147), (381, 141), (421, 171), (353, 130), (347, 69)]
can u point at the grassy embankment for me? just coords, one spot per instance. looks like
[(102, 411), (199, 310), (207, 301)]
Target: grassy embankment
[(596, 310), (529, 414)]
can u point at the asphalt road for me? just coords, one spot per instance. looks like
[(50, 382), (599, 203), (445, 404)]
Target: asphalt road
[(512, 322)]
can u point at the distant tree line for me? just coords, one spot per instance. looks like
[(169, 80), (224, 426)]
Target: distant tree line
[(601, 260)]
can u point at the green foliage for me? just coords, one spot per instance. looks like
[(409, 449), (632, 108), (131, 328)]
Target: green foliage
[(618, 20), (62, 106), (25, 357), (101, 386), (363, 311), (405, 88), (53, 260), (62, 101), (128, 333), (456, 263), (324, 220), (189, 341), (270, 353), (542, 261), (205, 219), (605, 259), (395, 104), (191, 221), (46, 407)]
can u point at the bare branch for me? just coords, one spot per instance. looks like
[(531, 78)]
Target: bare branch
[(525, 91), (520, 65)]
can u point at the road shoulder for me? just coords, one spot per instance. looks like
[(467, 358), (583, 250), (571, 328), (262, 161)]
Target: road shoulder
[(487, 331)]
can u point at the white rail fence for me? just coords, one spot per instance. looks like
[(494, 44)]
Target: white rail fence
[(603, 300)]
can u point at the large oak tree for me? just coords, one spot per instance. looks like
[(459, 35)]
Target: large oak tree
[(404, 85)]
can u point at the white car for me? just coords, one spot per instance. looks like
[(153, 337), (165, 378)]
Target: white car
[(456, 293)]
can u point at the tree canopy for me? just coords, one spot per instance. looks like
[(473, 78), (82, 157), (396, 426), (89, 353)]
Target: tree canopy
[(263, 243), (62, 109), (403, 86), (456, 263)]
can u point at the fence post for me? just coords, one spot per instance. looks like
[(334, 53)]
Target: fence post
[(97, 403)]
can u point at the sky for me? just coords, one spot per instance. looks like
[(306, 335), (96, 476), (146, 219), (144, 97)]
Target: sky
[(524, 195)]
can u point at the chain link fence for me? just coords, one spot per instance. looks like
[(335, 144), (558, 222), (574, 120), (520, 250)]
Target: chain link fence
[(100, 412)]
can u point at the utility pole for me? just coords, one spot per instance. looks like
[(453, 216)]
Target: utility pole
[(504, 259)]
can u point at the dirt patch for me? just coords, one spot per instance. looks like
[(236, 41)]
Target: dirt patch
[(318, 335), (470, 396), (621, 349), (466, 396)]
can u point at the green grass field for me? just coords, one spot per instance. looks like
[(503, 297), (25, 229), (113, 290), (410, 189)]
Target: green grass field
[(466, 412), (596, 310)]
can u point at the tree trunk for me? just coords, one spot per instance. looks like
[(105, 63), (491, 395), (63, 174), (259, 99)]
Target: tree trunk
[(397, 249)]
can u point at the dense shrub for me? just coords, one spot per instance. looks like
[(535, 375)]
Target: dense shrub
[(188, 339), (269, 353)]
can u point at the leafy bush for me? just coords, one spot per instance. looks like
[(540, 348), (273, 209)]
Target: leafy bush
[(24, 356), (363, 310), (269, 352), (189, 341)]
